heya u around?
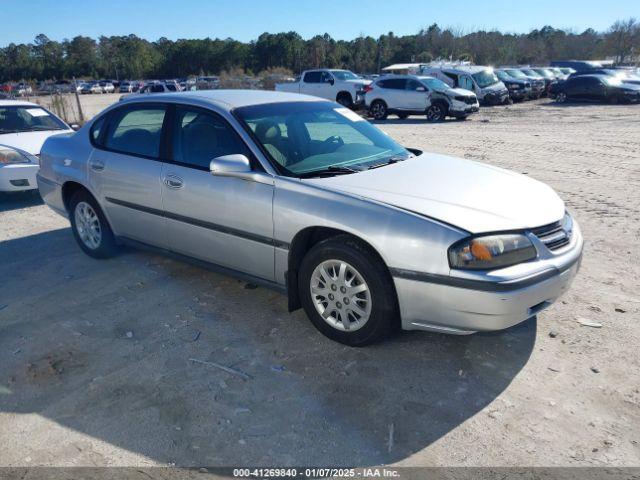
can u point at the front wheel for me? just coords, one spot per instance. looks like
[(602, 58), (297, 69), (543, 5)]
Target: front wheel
[(347, 292), (435, 113), (561, 97), (90, 227)]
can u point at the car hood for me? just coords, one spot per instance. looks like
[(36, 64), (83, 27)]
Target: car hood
[(459, 91), (29, 141), (358, 82), (470, 195)]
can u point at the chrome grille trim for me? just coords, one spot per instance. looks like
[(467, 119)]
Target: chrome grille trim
[(555, 235)]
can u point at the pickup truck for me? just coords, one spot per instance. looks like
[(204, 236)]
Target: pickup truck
[(341, 86)]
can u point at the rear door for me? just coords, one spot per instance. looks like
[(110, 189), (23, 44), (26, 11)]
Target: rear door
[(395, 92), (125, 168), (223, 220)]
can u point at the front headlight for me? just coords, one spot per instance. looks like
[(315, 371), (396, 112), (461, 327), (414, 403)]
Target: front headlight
[(491, 251), (10, 156)]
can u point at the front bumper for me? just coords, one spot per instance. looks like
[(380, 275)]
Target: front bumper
[(495, 98), (18, 177), (449, 305)]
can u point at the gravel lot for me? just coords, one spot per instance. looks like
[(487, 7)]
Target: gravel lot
[(95, 356)]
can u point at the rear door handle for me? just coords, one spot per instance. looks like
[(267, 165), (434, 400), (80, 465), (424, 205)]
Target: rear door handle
[(96, 165), (173, 181)]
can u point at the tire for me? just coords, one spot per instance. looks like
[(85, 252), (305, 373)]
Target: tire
[(345, 99), (378, 110), (561, 97), (362, 267), (94, 235), (403, 116), (436, 113)]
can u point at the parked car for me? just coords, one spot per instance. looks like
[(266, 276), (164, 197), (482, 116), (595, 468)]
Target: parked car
[(625, 76), (23, 89), (107, 87), (342, 86), (156, 87), (600, 88), (405, 95), (538, 84), (519, 88), (311, 199), (530, 72), (90, 88), (126, 87), (480, 80), (576, 65), (566, 70), (24, 127)]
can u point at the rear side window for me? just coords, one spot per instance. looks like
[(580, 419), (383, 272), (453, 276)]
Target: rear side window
[(312, 77), (136, 131), (393, 83)]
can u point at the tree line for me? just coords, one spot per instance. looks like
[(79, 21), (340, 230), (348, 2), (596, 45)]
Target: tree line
[(132, 57)]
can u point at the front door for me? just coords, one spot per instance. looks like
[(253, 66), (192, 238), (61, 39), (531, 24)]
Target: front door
[(125, 170), (222, 220), (414, 96)]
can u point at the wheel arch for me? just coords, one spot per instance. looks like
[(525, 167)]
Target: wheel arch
[(302, 243), (69, 189), (343, 93)]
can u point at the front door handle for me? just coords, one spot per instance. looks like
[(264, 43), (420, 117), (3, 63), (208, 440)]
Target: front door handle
[(173, 181)]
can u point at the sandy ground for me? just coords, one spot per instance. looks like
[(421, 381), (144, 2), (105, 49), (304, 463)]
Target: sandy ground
[(95, 356)]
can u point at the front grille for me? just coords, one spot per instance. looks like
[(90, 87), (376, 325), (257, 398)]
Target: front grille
[(470, 100), (554, 236)]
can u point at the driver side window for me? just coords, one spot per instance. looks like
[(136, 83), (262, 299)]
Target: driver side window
[(465, 82), (199, 137), (326, 77)]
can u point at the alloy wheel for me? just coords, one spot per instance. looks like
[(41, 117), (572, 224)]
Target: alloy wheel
[(378, 110), (434, 113), (88, 225), (340, 295)]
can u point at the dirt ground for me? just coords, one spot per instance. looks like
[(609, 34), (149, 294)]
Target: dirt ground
[(96, 356)]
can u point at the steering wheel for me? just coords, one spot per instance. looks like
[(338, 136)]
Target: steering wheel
[(334, 139)]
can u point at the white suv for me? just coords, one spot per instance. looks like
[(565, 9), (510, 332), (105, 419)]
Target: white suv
[(405, 95)]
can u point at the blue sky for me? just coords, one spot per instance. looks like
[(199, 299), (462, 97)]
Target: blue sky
[(246, 19)]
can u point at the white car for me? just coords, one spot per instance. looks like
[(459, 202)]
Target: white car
[(24, 127), (107, 87), (479, 79), (340, 86), (405, 95)]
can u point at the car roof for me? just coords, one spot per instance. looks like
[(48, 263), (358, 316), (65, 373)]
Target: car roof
[(461, 68), (228, 99), (15, 103)]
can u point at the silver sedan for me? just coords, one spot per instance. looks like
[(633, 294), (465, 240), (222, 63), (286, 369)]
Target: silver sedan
[(303, 195)]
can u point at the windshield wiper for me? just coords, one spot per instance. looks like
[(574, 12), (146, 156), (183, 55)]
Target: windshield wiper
[(330, 171), (391, 160)]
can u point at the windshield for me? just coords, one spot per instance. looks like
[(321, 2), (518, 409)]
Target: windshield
[(434, 83), (531, 73), (485, 78), (27, 118), (344, 75), (516, 73), (504, 76), (544, 73), (307, 137)]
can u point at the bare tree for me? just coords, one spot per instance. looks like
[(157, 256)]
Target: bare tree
[(623, 36)]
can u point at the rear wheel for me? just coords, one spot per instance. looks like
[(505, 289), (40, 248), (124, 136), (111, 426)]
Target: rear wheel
[(90, 227), (378, 110), (347, 292), (344, 99), (561, 97)]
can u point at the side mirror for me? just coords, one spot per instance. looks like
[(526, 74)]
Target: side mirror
[(238, 166), (332, 81), (75, 127)]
